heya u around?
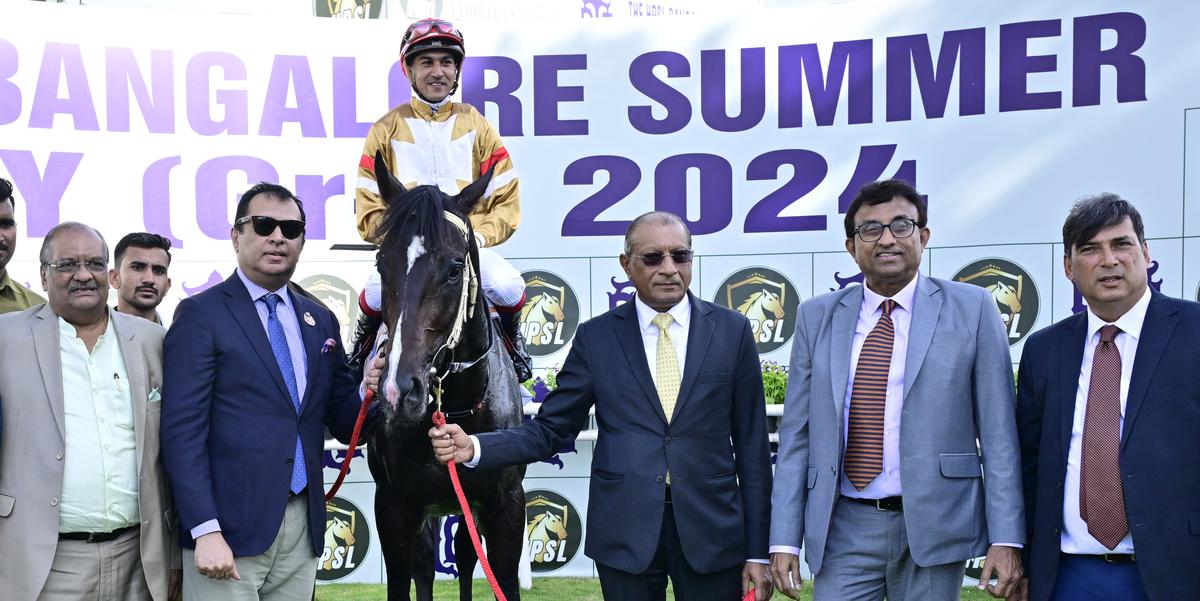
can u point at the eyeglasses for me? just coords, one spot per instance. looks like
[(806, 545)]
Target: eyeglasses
[(70, 266), (424, 26), (265, 226), (871, 231), (679, 257)]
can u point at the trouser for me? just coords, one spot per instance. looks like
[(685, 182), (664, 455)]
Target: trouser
[(502, 283), (286, 571), (867, 558), (107, 571)]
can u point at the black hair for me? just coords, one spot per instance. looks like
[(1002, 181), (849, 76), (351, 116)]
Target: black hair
[(274, 190), (1094, 213), (141, 240), (6, 193), (877, 193)]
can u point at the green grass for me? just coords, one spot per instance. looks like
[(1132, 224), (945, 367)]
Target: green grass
[(544, 589)]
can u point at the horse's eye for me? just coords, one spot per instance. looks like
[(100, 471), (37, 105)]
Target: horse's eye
[(455, 271)]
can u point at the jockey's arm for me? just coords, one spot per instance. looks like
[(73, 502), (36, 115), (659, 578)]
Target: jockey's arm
[(369, 208), (498, 214)]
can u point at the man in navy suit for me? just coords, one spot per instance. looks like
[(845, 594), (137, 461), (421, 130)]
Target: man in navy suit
[(681, 473), (253, 371), (1109, 420)]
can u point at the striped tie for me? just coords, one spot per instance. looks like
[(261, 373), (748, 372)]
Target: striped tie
[(1101, 495), (864, 444)]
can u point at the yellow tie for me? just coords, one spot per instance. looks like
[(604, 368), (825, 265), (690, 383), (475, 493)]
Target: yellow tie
[(667, 380)]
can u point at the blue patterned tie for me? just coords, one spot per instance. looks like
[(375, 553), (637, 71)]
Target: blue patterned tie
[(283, 356)]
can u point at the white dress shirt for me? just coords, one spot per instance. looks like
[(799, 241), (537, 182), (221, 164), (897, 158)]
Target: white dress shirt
[(887, 483), (681, 313), (100, 472), (1075, 536)]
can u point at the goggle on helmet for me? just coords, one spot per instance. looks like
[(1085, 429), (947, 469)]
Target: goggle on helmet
[(431, 34)]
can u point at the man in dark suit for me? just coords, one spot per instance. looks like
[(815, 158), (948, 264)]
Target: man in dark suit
[(681, 474), (253, 373), (1108, 405)]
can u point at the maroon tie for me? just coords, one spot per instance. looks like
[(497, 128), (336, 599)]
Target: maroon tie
[(1101, 496), (868, 396)]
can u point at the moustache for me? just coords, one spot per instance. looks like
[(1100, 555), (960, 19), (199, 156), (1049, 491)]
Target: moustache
[(82, 287), (153, 289)]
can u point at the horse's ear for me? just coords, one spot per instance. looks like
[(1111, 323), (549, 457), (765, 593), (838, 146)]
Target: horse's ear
[(389, 187), (465, 201)]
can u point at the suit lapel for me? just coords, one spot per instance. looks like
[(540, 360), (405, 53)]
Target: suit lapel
[(1156, 332), (927, 304), (45, 342), (135, 369), (239, 303), (845, 318), (699, 334), (629, 334), (1070, 361), (311, 336)]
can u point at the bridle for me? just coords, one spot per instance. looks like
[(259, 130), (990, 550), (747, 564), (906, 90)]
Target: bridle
[(443, 363)]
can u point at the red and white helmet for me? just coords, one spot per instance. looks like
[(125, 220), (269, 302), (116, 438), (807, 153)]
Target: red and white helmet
[(432, 34)]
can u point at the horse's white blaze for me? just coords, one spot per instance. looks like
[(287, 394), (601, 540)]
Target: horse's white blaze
[(390, 391), (415, 250)]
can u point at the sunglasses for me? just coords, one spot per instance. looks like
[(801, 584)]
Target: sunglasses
[(265, 226), (426, 25), (679, 257)]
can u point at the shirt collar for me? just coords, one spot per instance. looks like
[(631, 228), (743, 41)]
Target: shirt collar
[(67, 330), (1129, 323), (681, 312), (257, 292), (904, 298)]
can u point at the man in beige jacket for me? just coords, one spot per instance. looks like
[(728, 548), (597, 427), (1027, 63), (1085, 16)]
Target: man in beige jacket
[(85, 511)]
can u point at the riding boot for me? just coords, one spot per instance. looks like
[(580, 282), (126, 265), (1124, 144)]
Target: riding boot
[(515, 343), (364, 341)]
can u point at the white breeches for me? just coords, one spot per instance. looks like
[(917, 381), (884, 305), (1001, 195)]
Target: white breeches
[(502, 283)]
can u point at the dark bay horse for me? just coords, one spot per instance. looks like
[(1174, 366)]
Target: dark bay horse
[(435, 312)]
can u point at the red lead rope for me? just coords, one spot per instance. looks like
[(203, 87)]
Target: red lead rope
[(358, 424), (439, 420)]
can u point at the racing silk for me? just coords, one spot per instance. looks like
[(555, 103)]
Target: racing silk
[(449, 149)]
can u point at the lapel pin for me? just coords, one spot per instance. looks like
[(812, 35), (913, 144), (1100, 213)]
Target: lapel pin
[(308, 319)]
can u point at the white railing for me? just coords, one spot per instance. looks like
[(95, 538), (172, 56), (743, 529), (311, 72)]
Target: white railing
[(588, 435)]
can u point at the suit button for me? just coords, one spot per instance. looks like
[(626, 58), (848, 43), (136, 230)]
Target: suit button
[(54, 501), (1060, 484), (58, 456), (1056, 531), (667, 440), (659, 479), (290, 461)]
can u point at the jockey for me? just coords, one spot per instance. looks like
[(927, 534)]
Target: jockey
[(432, 140)]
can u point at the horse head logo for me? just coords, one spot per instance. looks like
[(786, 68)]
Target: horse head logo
[(546, 524), (339, 533), (542, 309), (759, 304)]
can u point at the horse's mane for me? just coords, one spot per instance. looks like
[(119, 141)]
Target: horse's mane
[(417, 212)]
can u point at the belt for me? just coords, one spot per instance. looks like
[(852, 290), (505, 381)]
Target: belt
[(668, 494), (1121, 558), (884, 504), (303, 492), (95, 537)]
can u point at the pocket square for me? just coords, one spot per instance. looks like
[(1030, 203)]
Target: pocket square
[(155, 396), (328, 346)]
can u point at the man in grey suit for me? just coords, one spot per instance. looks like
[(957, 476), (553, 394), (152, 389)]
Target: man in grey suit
[(898, 456), (84, 506)]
